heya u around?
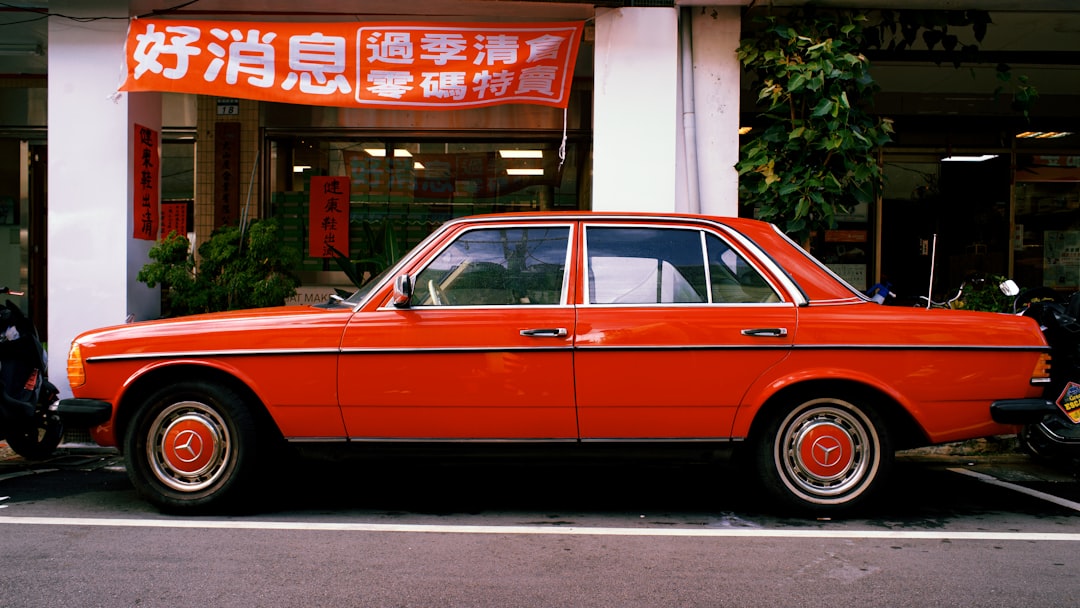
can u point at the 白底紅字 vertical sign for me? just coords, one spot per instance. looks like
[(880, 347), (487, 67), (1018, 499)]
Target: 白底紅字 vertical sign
[(146, 176), (328, 216), (383, 65)]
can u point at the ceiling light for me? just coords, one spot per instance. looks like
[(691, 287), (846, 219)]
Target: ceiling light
[(521, 153), (968, 159), (381, 152), (1043, 134), (300, 168), (418, 165), (524, 171)]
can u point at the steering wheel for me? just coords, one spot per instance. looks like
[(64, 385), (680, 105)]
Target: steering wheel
[(438, 297)]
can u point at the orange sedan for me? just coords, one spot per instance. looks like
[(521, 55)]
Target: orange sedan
[(576, 328)]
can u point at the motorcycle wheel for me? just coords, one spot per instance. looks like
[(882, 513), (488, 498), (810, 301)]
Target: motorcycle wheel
[(40, 441)]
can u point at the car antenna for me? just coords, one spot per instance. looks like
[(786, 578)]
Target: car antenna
[(933, 256)]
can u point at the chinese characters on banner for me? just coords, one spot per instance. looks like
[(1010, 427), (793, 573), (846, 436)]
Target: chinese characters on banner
[(174, 219), (328, 216), (226, 173), (384, 65), (146, 177)]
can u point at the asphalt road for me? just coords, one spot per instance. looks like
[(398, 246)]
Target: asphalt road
[(955, 530)]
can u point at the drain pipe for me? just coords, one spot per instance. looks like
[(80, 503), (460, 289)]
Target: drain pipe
[(686, 48)]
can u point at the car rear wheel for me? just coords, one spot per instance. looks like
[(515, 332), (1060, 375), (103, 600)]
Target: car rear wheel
[(191, 446), (823, 455)]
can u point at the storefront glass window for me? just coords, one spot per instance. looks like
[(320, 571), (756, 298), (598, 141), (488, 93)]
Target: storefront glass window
[(404, 189)]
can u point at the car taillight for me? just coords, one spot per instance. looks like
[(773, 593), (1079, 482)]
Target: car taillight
[(75, 370), (1041, 373)]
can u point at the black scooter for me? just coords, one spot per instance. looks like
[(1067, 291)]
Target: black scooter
[(1051, 430), (28, 420)]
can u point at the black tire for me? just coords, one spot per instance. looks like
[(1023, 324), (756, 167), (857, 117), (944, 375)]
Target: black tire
[(192, 446), (40, 441), (1033, 442), (823, 456)]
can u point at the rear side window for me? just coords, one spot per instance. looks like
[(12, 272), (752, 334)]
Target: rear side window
[(642, 265), (497, 267)]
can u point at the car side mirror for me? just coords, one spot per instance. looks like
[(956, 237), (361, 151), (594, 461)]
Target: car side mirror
[(403, 290)]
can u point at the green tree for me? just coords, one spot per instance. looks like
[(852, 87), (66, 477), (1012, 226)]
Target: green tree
[(815, 153)]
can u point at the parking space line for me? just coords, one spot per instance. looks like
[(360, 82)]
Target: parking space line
[(994, 481), (211, 524)]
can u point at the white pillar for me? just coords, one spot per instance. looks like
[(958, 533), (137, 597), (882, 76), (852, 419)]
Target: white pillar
[(717, 75), (635, 110), (93, 258)]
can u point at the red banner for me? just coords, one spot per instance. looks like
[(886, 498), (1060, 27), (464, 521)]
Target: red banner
[(146, 175), (226, 174), (328, 216), (174, 219), (428, 66)]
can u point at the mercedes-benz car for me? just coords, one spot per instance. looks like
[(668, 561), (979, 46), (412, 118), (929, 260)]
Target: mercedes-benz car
[(565, 329)]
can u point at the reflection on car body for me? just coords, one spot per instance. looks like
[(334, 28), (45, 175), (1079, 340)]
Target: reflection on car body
[(573, 328)]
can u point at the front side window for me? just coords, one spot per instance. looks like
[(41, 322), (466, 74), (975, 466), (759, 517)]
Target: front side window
[(668, 266), (497, 267)]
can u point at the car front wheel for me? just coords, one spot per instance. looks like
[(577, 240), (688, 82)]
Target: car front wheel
[(191, 446), (823, 455)]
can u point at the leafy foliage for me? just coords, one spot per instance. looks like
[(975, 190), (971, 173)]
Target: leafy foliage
[(235, 271), (816, 155), (984, 293)]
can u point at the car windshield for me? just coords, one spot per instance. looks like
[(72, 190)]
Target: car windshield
[(362, 293)]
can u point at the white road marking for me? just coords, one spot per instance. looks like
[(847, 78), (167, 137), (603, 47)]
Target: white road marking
[(211, 524), (994, 481)]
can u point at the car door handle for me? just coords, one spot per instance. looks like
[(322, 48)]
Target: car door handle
[(547, 332), (766, 332)]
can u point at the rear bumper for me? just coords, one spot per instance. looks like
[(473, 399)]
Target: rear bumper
[(84, 412), (1021, 411)]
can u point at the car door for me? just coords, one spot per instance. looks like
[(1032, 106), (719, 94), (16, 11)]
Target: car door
[(675, 324), (482, 351)]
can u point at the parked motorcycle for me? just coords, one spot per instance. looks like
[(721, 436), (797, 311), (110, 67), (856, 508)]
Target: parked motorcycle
[(28, 420), (1052, 431)]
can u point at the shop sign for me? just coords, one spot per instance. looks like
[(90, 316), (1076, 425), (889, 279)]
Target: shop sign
[(226, 174), (428, 66), (146, 176), (174, 218), (329, 216)]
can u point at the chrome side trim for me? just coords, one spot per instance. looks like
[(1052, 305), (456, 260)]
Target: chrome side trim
[(453, 349), (559, 348), (211, 354), (786, 346)]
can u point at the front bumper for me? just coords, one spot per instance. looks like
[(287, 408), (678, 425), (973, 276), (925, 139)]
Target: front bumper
[(1021, 411), (84, 413)]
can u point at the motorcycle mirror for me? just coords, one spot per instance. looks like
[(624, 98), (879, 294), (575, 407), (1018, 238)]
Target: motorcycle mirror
[(403, 290), (1009, 287)]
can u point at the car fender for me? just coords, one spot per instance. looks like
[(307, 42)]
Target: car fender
[(768, 387), (122, 400)]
